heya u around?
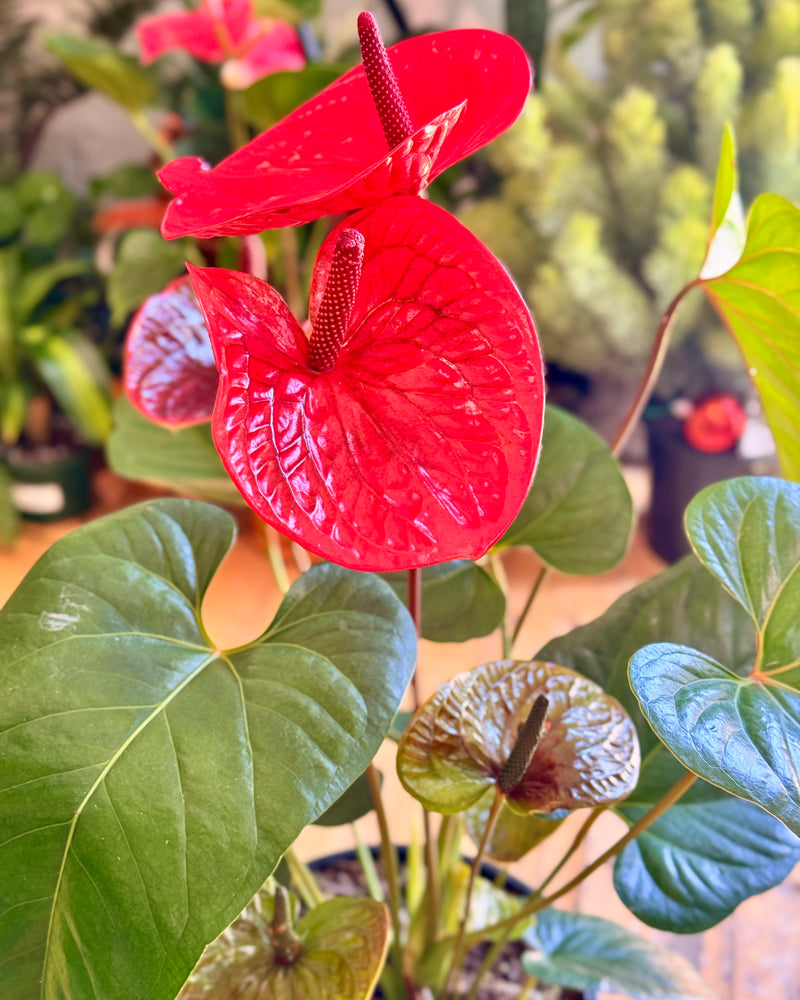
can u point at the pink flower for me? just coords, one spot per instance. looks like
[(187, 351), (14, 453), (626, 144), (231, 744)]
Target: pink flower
[(227, 32)]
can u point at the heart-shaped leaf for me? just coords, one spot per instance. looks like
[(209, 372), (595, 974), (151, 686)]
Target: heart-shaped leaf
[(699, 860), (460, 601), (589, 953), (99, 65), (148, 781), (459, 741), (747, 532), (514, 834), (183, 460), (759, 300), (143, 266), (578, 514), (343, 946), (170, 375), (735, 732), (417, 440)]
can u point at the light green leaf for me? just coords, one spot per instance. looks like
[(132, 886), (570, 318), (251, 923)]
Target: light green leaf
[(727, 236), (588, 953), (747, 532), (144, 265), (277, 95), (738, 733), (759, 300), (460, 600), (183, 460), (578, 514), (99, 65), (150, 782)]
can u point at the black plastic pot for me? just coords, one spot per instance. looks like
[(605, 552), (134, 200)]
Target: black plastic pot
[(50, 482)]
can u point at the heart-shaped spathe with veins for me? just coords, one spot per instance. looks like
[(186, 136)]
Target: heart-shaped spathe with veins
[(413, 439)]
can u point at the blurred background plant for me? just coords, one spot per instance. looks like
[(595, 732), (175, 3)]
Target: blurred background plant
[(598, 198)]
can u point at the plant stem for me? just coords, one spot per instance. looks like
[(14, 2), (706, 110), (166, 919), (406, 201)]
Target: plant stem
[(576, 843), (458, 951), (303, 879), (654, 365), (159, 144), (237, 129), (389, 860), (539, 902), (535, 588), (499, 573), (291, 271), (276, 560)]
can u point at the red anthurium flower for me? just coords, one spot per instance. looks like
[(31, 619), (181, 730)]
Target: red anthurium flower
[(387, 127), (169, 371), (224, 31), (715, 424), (406, 430)]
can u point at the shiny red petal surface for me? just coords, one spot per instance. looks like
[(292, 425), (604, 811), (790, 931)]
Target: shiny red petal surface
[(170, 375), (420, 444), (330, 155)]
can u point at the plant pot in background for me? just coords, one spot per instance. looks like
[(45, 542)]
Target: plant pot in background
[(51, 480), (680, 471)]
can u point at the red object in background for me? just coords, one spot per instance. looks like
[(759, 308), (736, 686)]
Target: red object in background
[(406, 431), (460, 90), (715, 424), (228, 32)]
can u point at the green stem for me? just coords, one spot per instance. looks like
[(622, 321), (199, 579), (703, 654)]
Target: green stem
[(499, 572), (576, 843), (276, 560), (389, 860), (535, 588), (156, 140), (235, 124), (458, 951), (654, 365), (538, 902), (303, 880)]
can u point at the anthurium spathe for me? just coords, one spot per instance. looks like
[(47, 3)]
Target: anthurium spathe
[(387, 127), (170, 375), (228, 32), (406, 430)]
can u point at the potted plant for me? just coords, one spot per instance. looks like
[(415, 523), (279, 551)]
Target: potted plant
[(54, 379), (152, 782)]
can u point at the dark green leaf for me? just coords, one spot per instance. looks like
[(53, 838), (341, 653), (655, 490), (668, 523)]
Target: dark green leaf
[(578, 514), (694, 865), (150, 782), (183, 460), (747, 532), (99, 65), (588, 953), (460, 600), (145, 263), (735, 732), (277, 95), (352, 804)]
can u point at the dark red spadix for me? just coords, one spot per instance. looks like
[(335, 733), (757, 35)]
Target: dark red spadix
[(416, 441), (389, 129)]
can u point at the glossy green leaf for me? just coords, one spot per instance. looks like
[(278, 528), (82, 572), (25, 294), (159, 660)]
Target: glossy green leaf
[(735, 732), (184, 460), (747, 532), (727, 236), (355, 802), (144, 265), (759, 300), (578, 514), (589, 953), (460, 600), (683, 604), (343, 947), (150, 782), (693, 866), (514, 834), (459, 740), (100, 65), (74, 371)]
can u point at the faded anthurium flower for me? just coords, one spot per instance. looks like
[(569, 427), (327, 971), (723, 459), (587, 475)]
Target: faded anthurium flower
[(169, 370), (459, 742), (386, 127), (406, 430)]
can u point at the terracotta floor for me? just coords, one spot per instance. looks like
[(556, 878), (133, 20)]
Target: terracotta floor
[(753, 955)]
